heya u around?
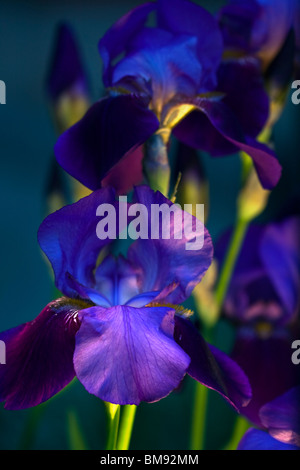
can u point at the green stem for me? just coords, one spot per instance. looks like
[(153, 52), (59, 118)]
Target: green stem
[(127, 421), (113, 426), (200, 405), (236, 242), (241, 426), (156, 163), (199, 417), (31, 427)]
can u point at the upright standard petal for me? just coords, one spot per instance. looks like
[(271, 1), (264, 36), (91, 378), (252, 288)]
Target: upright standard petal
[(126, 355), (68, 238), (212, 367), (163, 257), (39, 355), (117, 37), (112, 128), (185, 17)]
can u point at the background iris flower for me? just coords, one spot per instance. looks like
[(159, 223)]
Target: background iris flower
[(163, 78), (268, 30), (282, 421), (263, 301), (116, 328)]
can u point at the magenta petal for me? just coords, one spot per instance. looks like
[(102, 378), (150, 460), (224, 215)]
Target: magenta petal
[(212, 367), (126, 355), (39, 356), (120, 178), (111, 129)]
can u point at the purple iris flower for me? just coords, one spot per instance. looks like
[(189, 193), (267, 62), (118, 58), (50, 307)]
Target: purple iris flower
[(163, 79), (263, 301), (281, 418), (257, 27), (117, 326)]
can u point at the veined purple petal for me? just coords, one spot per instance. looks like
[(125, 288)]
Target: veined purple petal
[(66, 71), (39, 355), (110, 129), (68, 238), (163, 262), (282, 417), (227, 125), (126, 355), (255, 439), (280, 252), (266, 359), (212, 367), (185, 17), (117, 37)]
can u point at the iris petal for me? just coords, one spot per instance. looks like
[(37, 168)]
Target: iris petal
[(255, 439), (211, 366), (118, 36), (185, 17), (68, 238), (228, 126), (164, 262), (282, 417), (39, 355), (126, 355), (112, 128)]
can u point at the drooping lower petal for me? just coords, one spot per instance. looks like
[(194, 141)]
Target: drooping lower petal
[(39, 355), (112, 128), (126, 355), (226, 124), (212, 367)]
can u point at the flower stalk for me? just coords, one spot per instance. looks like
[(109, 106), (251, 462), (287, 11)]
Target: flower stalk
[(126, 427), (156, 162), (113, 412)]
